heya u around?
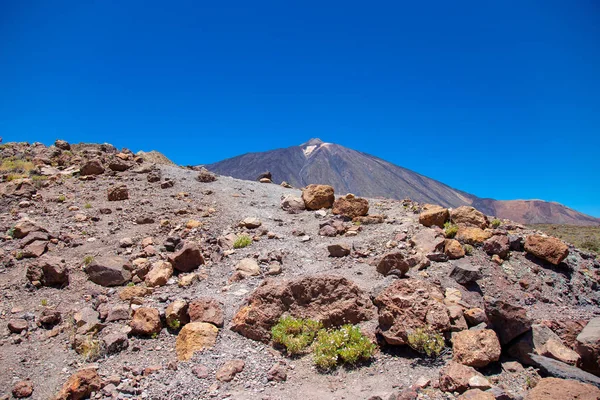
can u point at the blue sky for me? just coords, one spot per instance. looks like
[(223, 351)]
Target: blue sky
[(500, 99)]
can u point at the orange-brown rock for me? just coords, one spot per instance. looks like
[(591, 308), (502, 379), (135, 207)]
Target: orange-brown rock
[(433, 215), (194, 337), (80, 385), (333, 300), (469, 216), (118, 193), (350, 206), (229, 370), (455, 377), (318, 196), (547, 248), (408, 304), (145, 322), (476, 348), (563, 389), (187, 259), (472, 235), (453, 249)]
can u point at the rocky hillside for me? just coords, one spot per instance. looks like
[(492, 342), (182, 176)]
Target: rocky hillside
[(350, 171), (123, 279)]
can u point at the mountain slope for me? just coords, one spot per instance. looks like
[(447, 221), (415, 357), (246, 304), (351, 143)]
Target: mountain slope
[(350, 171)]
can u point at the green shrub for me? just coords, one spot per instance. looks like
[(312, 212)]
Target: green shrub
[(87, 205), (87, 260), (19, 255), (496, 223), (426, 341), (242, 241), (44, 302), (344, 345), (130, 284), (16, 166), (295, 334), (468, 249), (174, 324), (61, 198), (11, 232), (450, 229)]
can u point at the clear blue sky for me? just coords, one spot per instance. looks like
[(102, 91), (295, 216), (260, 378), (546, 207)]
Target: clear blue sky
[(497, 98)]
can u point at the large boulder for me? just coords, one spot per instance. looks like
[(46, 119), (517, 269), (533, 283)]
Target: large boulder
[(588, 345), (408, 304), (469, 216), (187, 259), (24, 227), (547, 248), (194, 337), (472, 235), (475, 348), (397, 263), (563, 389), (498, 244), (80, 385), (543, 341), (558, 369), (465, 272), (453, 249), (159, 274), (292, 204), (433, 215), (333, 300), (428, 241), (92, 167), (350, 206), (318, 196), (118, 193), (507, 319), (109, 271), (456, 377), (48, 271), (206, 310), (145, 322)]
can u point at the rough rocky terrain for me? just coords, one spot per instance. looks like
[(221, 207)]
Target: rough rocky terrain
[(119, 280)]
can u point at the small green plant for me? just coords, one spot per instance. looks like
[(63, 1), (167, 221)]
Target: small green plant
[(242, 241), (174, 324), (87, 205), (295, 334), (468, 249), (450, 229), (44, 302), (130, 284), (496, 223), (344, 345), (19, 255), (154, 335), (61, 198), (426, 341), (87, 260), (11, 232), (591, 244)]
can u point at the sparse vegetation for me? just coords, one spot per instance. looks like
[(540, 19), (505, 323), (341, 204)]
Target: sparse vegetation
[(16, 166), (426, 341), (90, 348), (174, 324), (496, 223), (130, 284), (295, 334), (87, 205), (19, 255), (87, 260), (468, 249), (450, 229), (154, 335), (344, 345), (61, 198), (11, 232), (44, 302), (242, 241)]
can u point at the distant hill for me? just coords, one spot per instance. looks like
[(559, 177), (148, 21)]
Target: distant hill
[(351, 171)]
